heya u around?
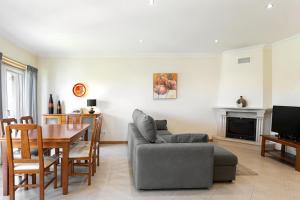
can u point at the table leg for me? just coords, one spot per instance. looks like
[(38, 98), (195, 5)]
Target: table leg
[(5, 180), (298, 159), (65, 169), (263, 146)]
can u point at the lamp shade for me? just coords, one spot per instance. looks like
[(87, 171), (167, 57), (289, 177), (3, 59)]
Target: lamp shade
[(91, 102)]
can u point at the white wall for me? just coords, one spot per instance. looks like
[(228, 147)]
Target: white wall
[(247, 80), (286, 72), (267, 78), (14, 52), (123, 84)]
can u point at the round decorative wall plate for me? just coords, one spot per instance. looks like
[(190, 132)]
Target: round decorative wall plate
[(79, 90)]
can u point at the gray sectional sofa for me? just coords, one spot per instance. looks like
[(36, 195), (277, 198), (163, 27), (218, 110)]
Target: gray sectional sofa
[(161, 160)]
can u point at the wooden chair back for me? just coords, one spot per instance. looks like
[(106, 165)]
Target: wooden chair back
[(93, 138), (99, 123), (23, 134), (26, 120), (6, 122), (49, 117), (73, 119)]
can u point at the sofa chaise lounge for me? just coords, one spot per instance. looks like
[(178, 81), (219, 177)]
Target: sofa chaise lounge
[(162, 160)]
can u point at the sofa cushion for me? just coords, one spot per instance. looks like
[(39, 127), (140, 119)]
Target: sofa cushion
[(145, 124), (136, 114), (161, 124), (184, 138), (223, 157), (163, 132)]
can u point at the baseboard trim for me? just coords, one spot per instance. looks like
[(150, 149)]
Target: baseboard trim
[(114, 142)]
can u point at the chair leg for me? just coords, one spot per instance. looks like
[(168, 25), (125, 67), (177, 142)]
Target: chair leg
[(55, 175), (42, 187), (33, 178), (72, 168), (11, 186), (26, 181), (95, 163), (98, 154), (90, 173), (92, 166)]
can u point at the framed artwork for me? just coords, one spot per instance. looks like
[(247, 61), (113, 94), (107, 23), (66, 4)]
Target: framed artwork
[(79, 90), (164, 85)]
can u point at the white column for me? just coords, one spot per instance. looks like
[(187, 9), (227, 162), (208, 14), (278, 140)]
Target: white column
[(221, 123), (259, 128)]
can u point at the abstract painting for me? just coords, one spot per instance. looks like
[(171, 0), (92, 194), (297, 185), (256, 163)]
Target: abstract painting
[(164, 85)]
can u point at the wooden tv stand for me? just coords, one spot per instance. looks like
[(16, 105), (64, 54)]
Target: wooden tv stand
[(282, 155)]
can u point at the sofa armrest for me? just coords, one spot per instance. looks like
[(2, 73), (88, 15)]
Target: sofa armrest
[(177, 165)]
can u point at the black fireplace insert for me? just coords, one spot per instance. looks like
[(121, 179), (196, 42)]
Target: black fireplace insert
[(241, 128)]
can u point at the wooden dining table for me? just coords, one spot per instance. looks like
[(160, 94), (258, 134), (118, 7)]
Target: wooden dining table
[(54, 136)]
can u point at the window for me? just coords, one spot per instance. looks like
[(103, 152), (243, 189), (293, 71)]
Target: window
[(13, 87)]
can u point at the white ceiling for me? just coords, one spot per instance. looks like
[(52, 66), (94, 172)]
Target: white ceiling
[(104, 27)]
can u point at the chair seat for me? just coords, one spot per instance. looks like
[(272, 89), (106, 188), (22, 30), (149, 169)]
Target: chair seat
[(80, 142), (83, 143), (48, 161), (80, 149)]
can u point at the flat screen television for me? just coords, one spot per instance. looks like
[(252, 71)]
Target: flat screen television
[(286, 122)]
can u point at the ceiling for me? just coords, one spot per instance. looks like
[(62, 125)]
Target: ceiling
[(115, 27)]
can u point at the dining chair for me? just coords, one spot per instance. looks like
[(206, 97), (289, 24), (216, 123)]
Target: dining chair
[(96, 124), (6, 122), (57, 120), (29, 120), (98, 137), (29, 164), (9, 121), (84, 151), (73, 119), (49, 118), (26, 120)]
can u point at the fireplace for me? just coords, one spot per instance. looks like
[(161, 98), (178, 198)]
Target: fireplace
[(243, 123), (241, 128)]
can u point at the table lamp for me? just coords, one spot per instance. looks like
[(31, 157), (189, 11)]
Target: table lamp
[(91, 103)]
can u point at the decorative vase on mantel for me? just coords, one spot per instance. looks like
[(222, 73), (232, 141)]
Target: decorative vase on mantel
[(241, 102), (50, 105), (58, 107)]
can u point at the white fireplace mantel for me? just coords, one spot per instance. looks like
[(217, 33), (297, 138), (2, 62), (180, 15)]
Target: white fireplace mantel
[(262, 115)]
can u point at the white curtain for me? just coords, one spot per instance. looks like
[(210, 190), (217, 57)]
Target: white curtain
[(1, 112), (31, 92)]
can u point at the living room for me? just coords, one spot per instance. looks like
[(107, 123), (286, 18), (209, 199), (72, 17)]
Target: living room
[(113, 51)]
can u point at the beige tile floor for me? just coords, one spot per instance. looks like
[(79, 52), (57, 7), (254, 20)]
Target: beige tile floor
[(274, 181)]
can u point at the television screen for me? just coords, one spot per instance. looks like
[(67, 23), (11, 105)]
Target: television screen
[(286, 122)]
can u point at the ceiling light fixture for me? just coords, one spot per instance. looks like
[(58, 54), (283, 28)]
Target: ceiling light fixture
[(141, 41), (151, 2), (216, 41), (269, 6)]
